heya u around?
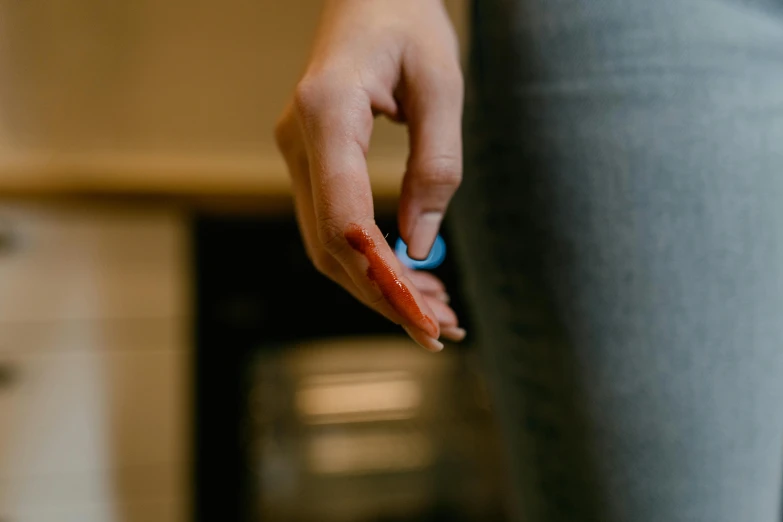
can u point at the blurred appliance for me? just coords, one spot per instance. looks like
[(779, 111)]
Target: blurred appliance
[(311, 408)]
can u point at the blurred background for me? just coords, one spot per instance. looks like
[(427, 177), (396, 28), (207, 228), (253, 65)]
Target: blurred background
[(166, 351)]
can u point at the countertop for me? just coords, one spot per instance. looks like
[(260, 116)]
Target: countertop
[(160, 175)]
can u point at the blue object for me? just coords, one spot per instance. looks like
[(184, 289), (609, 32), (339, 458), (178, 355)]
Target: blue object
[(433, 260)]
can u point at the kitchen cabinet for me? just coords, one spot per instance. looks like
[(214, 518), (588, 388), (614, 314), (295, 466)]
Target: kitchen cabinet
[(94, 363), (175, 97)]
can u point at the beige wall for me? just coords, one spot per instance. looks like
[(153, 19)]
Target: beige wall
[(141, 77)]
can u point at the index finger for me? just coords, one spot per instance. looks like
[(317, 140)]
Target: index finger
[(337, 126)]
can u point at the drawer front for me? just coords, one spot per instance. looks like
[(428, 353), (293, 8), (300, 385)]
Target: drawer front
[(92, 411), (68, 262), (157, 510), (155, 494)]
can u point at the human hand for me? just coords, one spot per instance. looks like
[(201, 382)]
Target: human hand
[(398, 58)]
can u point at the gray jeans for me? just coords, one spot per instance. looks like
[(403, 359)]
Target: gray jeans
[(621, 229)]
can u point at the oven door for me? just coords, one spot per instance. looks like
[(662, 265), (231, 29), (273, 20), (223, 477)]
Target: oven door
[(371, 429)]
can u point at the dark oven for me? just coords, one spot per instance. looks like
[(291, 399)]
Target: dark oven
[(309, 407)]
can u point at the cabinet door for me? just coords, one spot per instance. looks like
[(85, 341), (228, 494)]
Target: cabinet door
[(145, 496), (94, 362), (95, 426)]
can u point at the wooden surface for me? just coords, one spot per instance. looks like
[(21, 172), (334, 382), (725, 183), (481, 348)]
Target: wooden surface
[(150, 97)]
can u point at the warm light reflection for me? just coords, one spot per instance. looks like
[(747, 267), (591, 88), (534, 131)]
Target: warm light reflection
[(358, 397), (377, 452)]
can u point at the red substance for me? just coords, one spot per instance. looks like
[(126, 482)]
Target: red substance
[(394, 291)]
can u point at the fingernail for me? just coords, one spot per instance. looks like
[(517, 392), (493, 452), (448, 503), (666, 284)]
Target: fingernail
[(423, 236), (434, 345), (455, 333), (424, 340), (443, 296)]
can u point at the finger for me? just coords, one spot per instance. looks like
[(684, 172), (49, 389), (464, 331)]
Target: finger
[(447, 319), (442, 311), (443, 297), (428, 284), (453, 333), (381, 271), (423, 339), (290, 143), (296, 161), (425, 280), (337, 124), (448, 325), (432, 101)]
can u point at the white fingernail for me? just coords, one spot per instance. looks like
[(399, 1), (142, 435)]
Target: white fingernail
[(424, 232), (434, 345), (455, 333), (425, 341)]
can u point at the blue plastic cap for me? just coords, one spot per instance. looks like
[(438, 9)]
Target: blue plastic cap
[(433, 260)]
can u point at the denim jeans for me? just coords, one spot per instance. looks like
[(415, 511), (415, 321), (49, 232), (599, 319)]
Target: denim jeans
[(620, 225)]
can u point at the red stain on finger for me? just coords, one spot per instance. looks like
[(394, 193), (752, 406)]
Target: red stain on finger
[(393, 289)]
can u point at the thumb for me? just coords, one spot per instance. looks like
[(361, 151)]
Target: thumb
[(432, 103)]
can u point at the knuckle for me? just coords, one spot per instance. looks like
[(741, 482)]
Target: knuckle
[(331, 237), (319, 88), (308, 94), (445, 171)]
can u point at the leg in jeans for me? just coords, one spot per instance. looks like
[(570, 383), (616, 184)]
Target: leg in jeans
[(621, 227)]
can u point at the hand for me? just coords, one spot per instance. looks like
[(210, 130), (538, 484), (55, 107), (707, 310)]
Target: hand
[(398, 58)]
